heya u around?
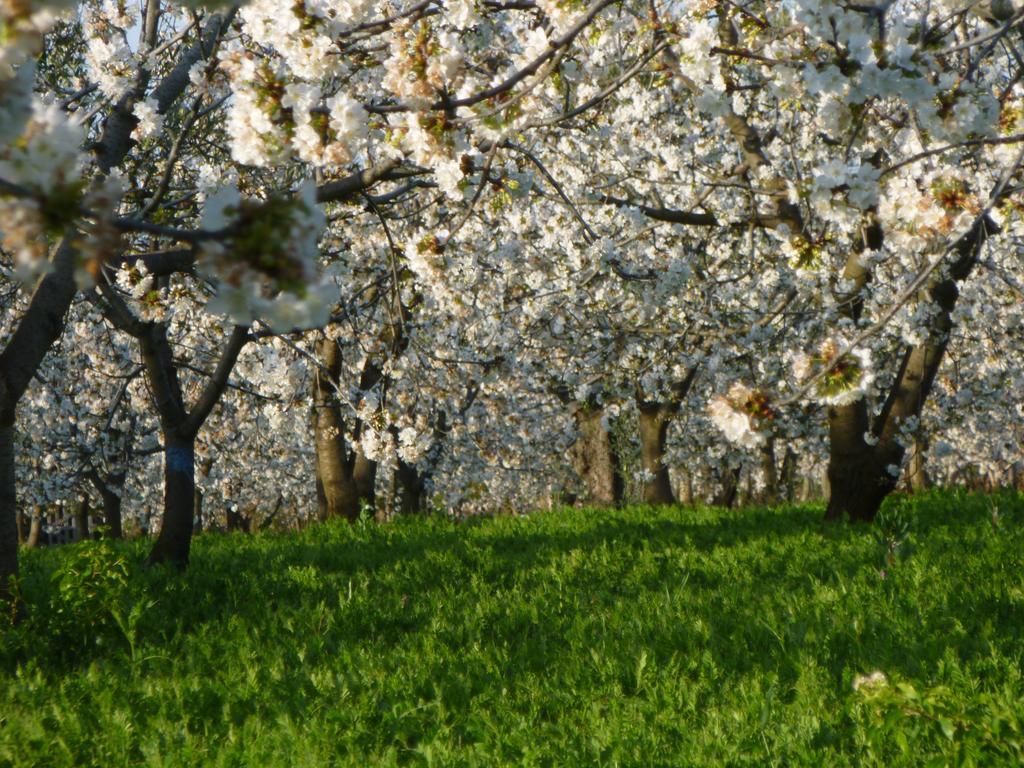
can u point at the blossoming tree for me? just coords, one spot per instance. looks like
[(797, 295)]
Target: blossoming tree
[(455, 226)]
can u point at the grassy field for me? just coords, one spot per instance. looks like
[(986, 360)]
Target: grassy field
[(638, 637)]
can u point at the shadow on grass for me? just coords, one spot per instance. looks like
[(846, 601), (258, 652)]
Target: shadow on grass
[(383, 580), (436, 559)]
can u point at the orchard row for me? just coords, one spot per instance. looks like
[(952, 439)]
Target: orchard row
[(277, 262)]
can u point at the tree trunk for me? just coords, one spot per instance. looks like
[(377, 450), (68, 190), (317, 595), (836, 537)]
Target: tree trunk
[(654, 423), (175, 539), (770, 493), (81, 515), (347, 478), (34, 529), (729, 488), (745, 495), (787, 476), (917, 472), (806, 489), (858, 472), (364, 477), (8, 511), (858, 484), (197, 510), (238, 522), (686, 488), (180, 427), (321, 496), (340, 495), (269, 519), (858, 488), (112, 505), (110, 489), (594, 459), (205, 465), (411, 489)]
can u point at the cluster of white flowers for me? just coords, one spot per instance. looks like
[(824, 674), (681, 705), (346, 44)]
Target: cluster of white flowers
[(258, 136), (135, 281), (150, 119), (876, 679), (413, 444), (461, 13), (849, 379), (424, 61), (112, 63), (23, 25), (267, 267), (741, 414), (859, 182), (377, 445), (46, 161), (562, 13), (47, 156)]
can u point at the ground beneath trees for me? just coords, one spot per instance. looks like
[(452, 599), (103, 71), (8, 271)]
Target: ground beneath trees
[(640, 637)]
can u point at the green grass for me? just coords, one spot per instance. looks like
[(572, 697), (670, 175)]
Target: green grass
[(638, 637)]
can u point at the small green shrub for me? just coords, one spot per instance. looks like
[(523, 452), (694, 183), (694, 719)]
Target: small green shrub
[(92, 599), (938, 727)]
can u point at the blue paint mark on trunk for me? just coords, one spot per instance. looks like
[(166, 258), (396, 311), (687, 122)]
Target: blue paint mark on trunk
[(181, 458)]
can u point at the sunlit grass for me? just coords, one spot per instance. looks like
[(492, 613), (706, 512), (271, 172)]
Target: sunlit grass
[(638, 637)]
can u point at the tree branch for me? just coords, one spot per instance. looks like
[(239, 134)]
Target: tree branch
[(218, 382)]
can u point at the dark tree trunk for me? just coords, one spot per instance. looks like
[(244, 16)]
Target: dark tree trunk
[(269, 519), (197, 510), (729, 488), (341, 498), (175, 539), (411, 489), (22, 528), (82, 518), (238, 522), (858, 490), (787, 476), (857, 484), (321, 496), (654, 421), (594, 459), (110, 489), (364, 478), (770, 493), (859, 473), (112, 492), (8, 511), (178, 424)]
